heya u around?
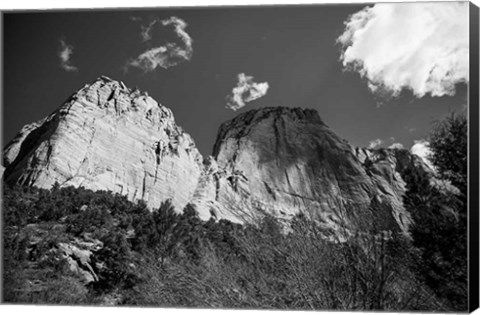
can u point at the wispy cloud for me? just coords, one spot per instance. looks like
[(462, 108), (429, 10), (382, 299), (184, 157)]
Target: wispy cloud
[(167, 55), (423, 47), (146, 32), (65, 53), (245, 91), (375, 143), (180, 26), (421, 148)]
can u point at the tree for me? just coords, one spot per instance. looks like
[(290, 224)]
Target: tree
[(166, 223), (440, 228), (449, 144)]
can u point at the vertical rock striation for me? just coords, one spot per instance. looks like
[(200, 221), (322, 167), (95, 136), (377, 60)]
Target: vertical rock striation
[(108, 137), (277, 161), (285, 161)]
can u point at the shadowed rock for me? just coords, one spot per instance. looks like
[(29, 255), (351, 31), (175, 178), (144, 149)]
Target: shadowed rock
[(277, 161), (285, 161)]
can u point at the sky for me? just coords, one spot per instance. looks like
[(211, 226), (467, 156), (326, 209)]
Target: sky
[(378, 75)]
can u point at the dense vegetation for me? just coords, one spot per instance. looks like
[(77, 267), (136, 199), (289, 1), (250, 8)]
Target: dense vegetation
[(169, 259), (441, 217), (164, 258)]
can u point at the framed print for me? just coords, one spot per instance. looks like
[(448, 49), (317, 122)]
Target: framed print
[(271, 157)]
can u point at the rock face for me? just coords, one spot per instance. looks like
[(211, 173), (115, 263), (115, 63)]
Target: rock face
[(77, 254), (108, 137), (278, 161), (285, 161), (48, 243)]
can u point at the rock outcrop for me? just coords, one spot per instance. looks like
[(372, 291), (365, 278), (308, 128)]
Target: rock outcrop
[(277, 161), (108, 137), (285, 161), (44, 243), (78, 256)]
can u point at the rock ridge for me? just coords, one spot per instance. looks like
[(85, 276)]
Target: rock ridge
[(242, 123), (108, 137), (275, 160), (286, 161)]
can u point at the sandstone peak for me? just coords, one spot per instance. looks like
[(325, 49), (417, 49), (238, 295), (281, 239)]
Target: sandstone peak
[(255, 115), (241, 124), (108, 137), (116, 98), (286, 161), (275, 160)]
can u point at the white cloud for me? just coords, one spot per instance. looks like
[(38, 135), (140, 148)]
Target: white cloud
[(65, 53), (396, 145), (421, 148), (146, 32), (374, 143), (180, 26), (423, 47), (167, 55), (245, 91)]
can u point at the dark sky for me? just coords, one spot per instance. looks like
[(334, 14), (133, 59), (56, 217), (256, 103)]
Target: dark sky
[(292, 48)]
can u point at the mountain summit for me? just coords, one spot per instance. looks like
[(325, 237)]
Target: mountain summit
[(285, 161), (108, 137), (277, 161)]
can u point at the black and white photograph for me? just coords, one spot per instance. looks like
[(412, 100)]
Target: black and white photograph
[(301, 157)]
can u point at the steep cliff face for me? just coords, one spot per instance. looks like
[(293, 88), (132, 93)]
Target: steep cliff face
[(108, 137), (278, 161), (285, 161)]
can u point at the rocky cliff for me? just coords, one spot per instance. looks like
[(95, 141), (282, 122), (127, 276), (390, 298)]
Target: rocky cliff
[(280, 161), (285, 161), (108, 137)]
